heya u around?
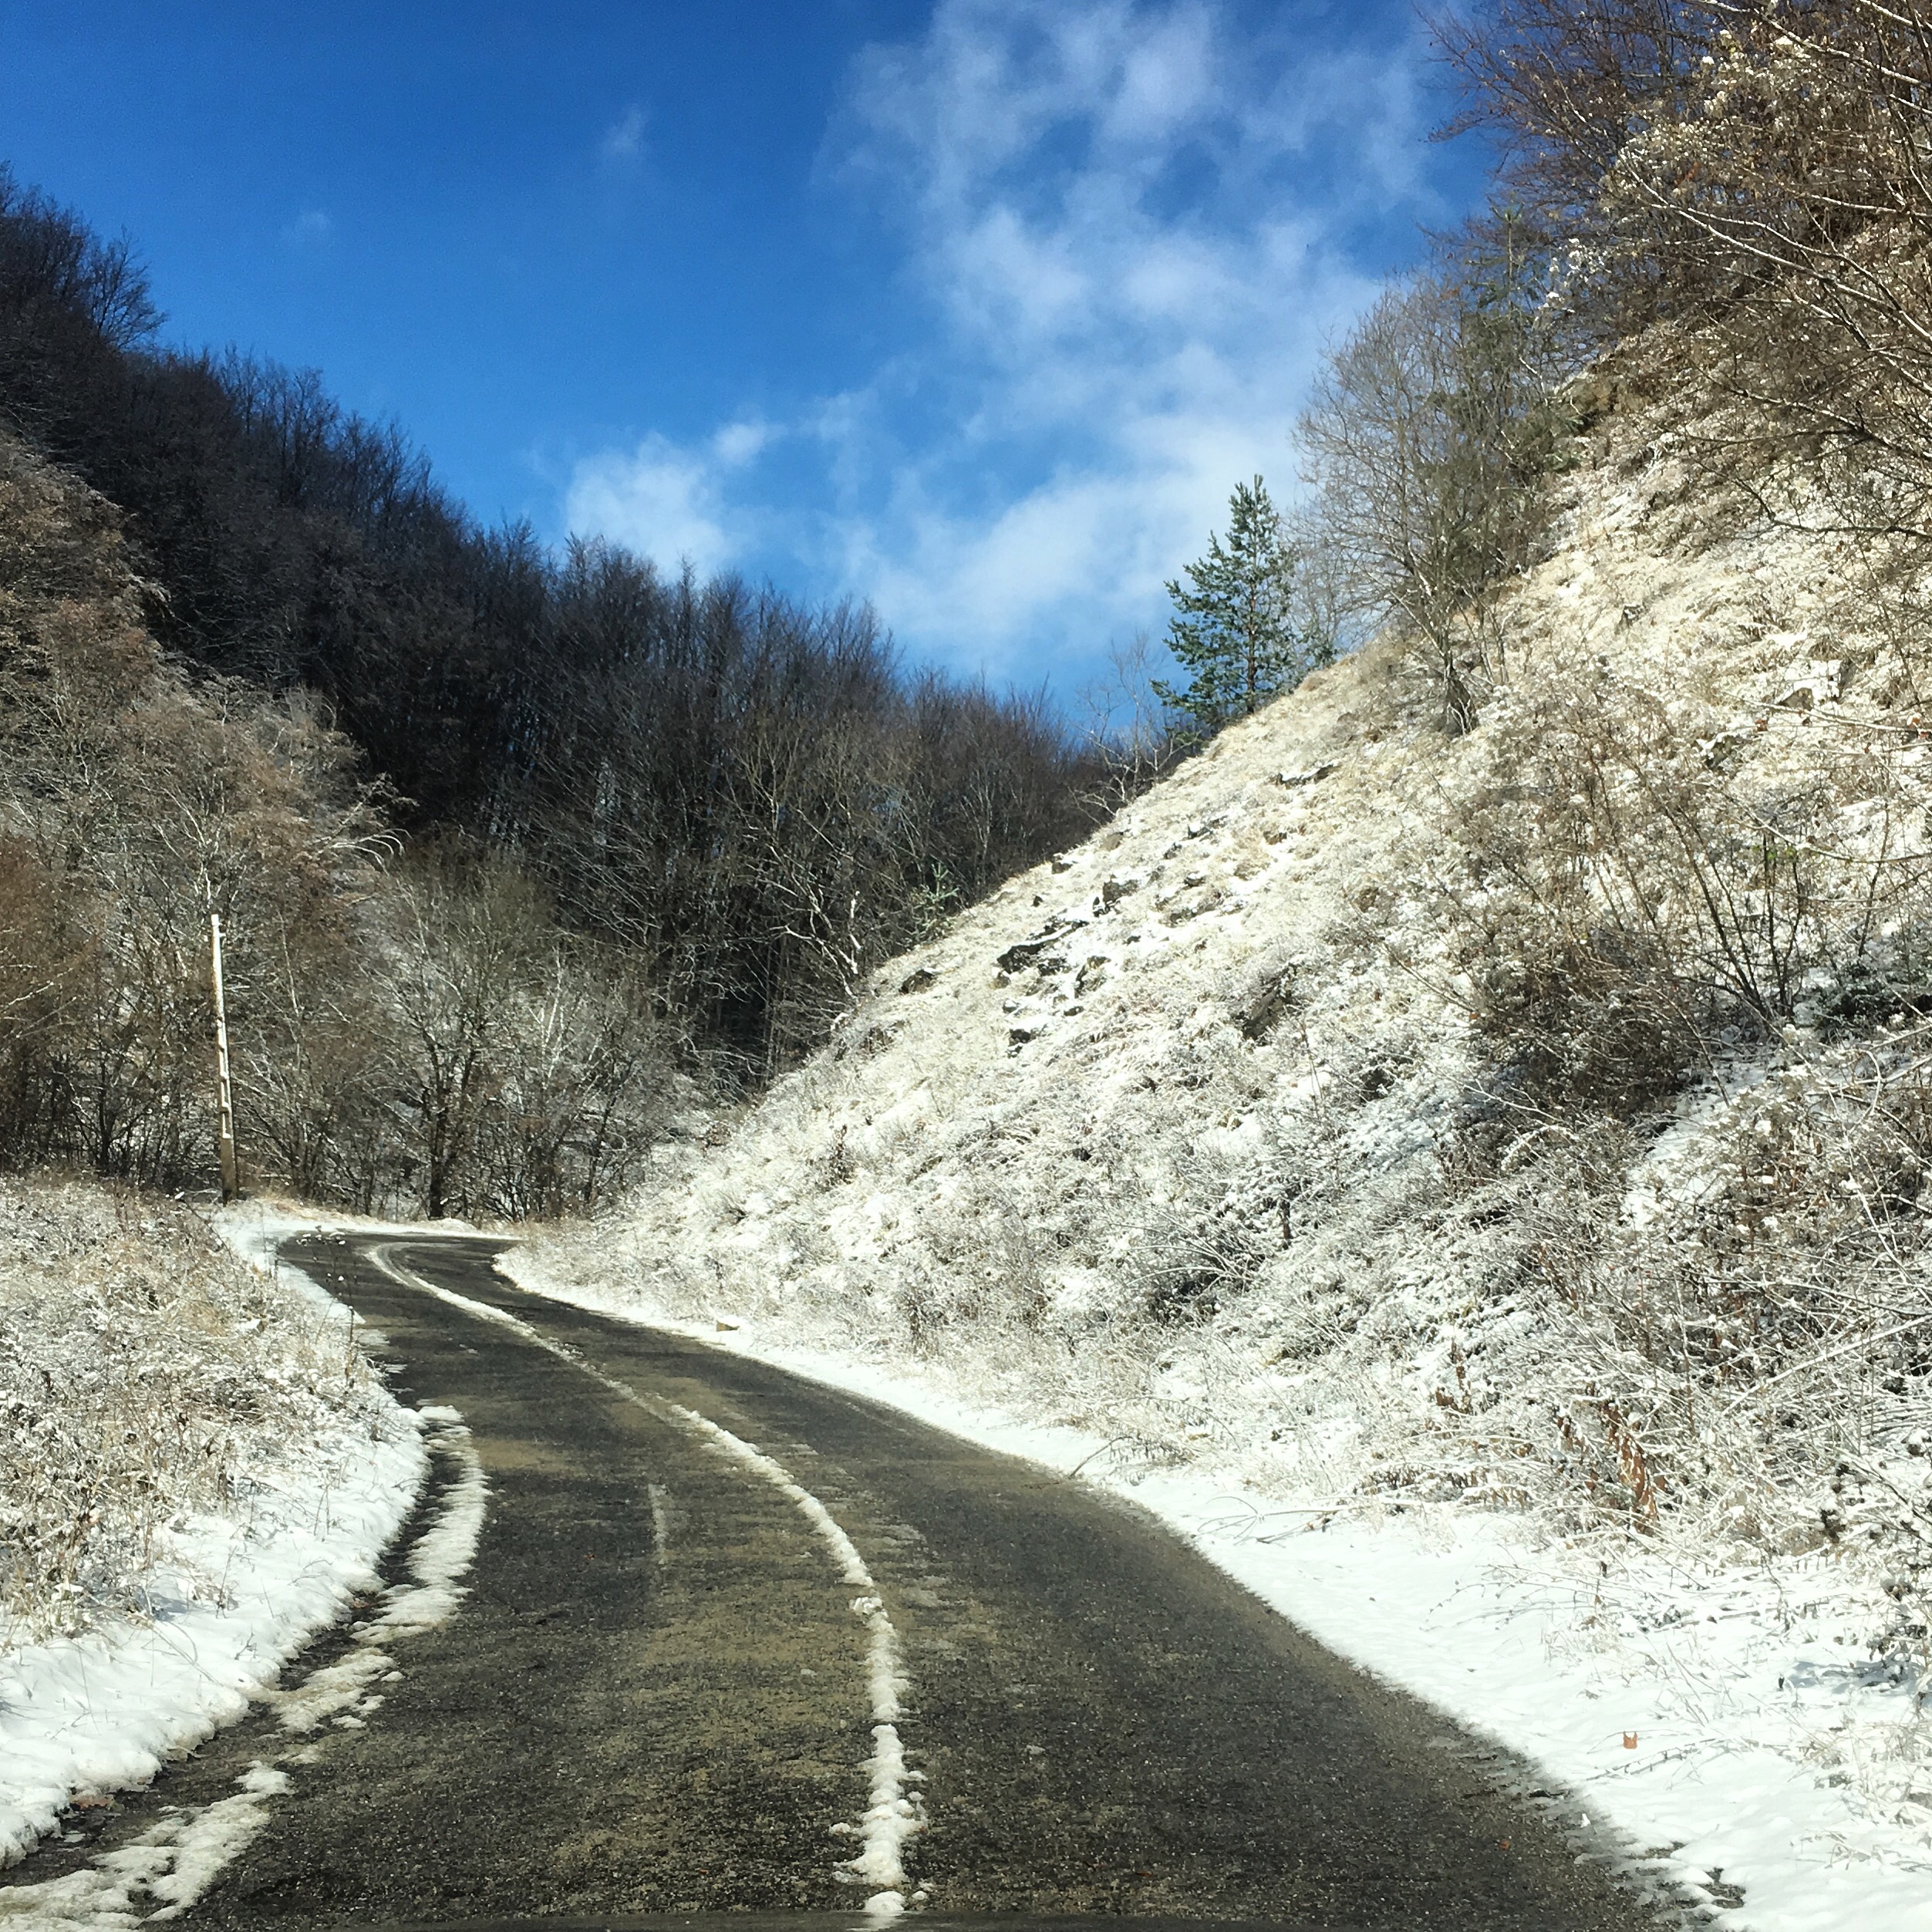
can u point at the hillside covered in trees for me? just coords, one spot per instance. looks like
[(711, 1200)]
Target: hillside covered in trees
[(581, 829)]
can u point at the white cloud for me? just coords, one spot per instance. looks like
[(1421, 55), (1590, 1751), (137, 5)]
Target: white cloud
[(1105, 209), (658, 499), (740, 443), (1130, 223), (624, 138), (670, 500)]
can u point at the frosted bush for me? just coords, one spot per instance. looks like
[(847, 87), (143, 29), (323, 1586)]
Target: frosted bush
[(146, 1377)]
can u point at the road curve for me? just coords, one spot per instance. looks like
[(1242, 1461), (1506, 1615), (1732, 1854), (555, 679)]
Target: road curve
[(735, 1642)]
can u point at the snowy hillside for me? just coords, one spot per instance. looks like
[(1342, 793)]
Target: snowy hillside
[(1194, 1130), (1527, 1122)]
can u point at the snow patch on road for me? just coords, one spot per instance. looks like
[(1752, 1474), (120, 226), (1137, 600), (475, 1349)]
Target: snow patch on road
[(439, 1558), (895, 1815), (385, 1258), (158, 1876)]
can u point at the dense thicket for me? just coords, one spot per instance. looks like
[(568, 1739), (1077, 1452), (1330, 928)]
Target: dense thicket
[(1752, 173), (1718, 212), (411, 1027), (750, 797), (1727, 207), (1732, 196)]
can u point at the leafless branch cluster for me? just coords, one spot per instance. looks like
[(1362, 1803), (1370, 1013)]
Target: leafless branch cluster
[(416, 1032), (1759, 173), (1428, 438), (1631, 904)]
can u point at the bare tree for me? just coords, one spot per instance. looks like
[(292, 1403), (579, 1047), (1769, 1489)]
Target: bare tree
[(1788, 199), (1560, 85), (1428, 440), (1127, 724), (1757, 172)]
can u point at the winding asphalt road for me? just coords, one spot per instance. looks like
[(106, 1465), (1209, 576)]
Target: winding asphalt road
[(655, 1698)]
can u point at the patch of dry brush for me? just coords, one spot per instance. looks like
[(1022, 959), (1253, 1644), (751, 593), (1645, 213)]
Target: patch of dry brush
[(147, 1377)]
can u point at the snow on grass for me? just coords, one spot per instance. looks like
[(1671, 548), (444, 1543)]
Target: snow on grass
[(200, 1472), (1211, 1141)]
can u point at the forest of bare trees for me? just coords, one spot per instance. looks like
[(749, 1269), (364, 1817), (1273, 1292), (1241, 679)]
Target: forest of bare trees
[(644, 808), (546, 834)]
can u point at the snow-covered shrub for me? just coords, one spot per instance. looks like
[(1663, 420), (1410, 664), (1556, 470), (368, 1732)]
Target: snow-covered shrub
[(146, 1376), (1632, 896)]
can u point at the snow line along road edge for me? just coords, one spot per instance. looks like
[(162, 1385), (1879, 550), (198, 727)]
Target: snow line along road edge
[(104, 1711), (1463, 1614), (894, 1814), (163, 1872)]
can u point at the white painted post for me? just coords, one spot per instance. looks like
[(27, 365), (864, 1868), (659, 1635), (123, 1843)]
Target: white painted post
[(231, 1171)]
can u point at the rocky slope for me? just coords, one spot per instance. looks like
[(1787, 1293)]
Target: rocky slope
[(1523, 1118)]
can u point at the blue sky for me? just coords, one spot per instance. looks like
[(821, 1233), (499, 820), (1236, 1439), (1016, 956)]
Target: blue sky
[(976, 309)]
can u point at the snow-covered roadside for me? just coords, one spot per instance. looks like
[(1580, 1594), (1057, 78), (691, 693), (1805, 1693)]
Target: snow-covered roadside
[(98, 1713), (162, 1872), (230, 1594), (1271, 1137), (1687, 1723)]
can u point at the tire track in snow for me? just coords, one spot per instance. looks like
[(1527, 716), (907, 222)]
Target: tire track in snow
[(164, 1871), (895, 1813)]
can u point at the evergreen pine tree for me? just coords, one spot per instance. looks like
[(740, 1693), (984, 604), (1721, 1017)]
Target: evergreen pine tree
[(1234, 628)]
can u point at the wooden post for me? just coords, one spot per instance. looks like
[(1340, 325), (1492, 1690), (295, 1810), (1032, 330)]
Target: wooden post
[(231, 1171)]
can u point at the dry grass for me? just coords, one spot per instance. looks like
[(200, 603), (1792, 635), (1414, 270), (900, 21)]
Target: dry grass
[(146, 1377)]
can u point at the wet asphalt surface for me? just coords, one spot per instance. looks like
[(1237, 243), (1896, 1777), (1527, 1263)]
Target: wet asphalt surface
[(653, 1702)]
